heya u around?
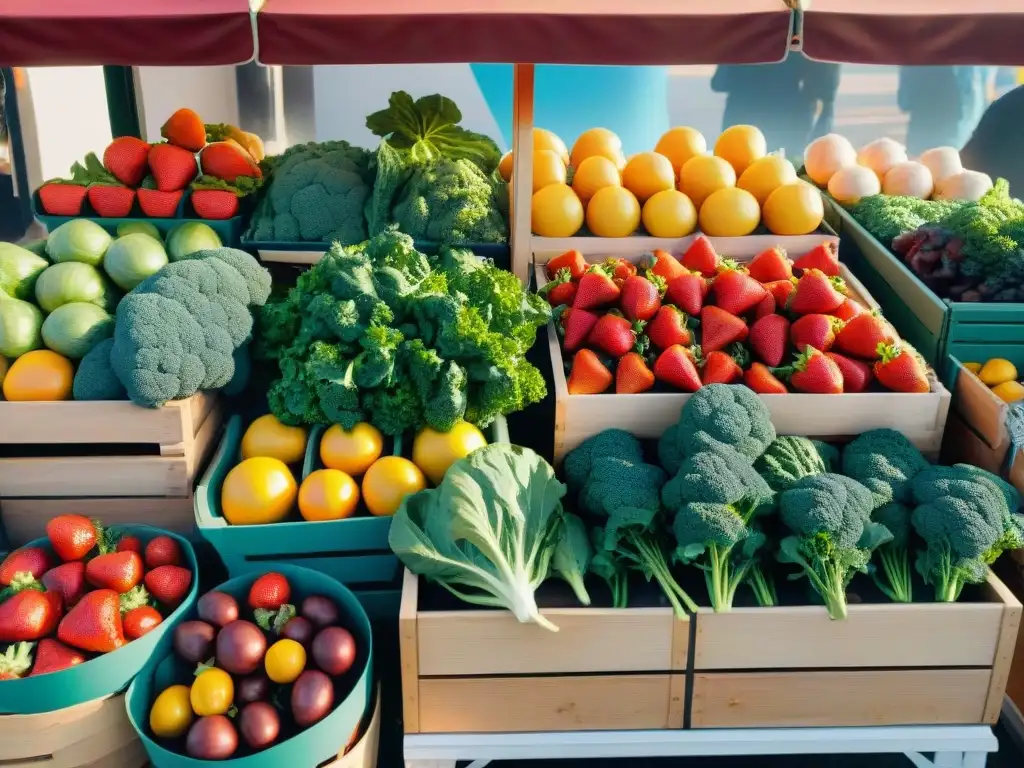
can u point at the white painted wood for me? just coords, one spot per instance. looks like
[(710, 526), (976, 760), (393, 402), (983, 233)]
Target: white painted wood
[(291, 257)]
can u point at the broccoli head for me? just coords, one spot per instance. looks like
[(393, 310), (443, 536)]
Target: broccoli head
[(255, 275), (615, 482), (724, 414), (884, 461), (95, 378), (614, 443), (787, 459)]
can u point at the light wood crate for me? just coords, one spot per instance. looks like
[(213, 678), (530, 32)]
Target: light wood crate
[(481, 671), (887, 664), (363, 753), (96, 734)]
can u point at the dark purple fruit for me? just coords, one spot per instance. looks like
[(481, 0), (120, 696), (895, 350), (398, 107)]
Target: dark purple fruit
[(212, 738), (312, 697), (334, 650), (299, 629), (193, 641), (218, 608), (320, 610), (254, 687), (259, 724), (240, 647)]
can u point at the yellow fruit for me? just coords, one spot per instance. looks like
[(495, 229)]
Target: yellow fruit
[(4, 365), (764, 176), (826, 155), (703, 175), (598, 141), (1009, 391), (388, 481), (258, 491), (648, 173), (793, 209), (545, 139), (213, 692), (328, 494), (669, 213), (613, 212), (505, 165), (351, 450), (741, 145), (679, 144), (973, 367), (548, 169), (39, 375), (284, 661), (729, 212), (433, 451), (171, 714), (267, 436), (593, 174), (556, 211), (996, 371)]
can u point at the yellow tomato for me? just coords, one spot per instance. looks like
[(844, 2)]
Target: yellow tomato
[(669, 214), (1009, 391), (258, 491), (704, 174), (764, 176), (997, 371), (434, 452), (213, 692), (545, 139), (594, 173), (598, 141), (613, 212), (556, 211), (40, 375), (285, 661), (679, 144), (548, 169), (648, 173), (730, 212), (267, 436), (171, 714), (388, 481), (793, 209), (352, 451), (741, 145), (328, 494), (973, 367)]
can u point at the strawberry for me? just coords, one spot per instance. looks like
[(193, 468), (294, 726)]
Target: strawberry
[(571, 260), (865, 335), (668, 328), (129, 543), (72, 536), (780, 290), (117, 571), (185, 129), (111, 201), (632, 375), (157, 204), (857, 374), (765, 307), (849, 309), (641, 296), (719, 367), (32, 560), (816, 293), (771, 265), (214, 204), (814, 373), (596, 289), (127, 158), (818, 331), (94, 624), (701, 257), (162, 550), (62, 198), (576, 325), (822, 257), (759, 377), (901, 369), (169, 584), (561, 289), (68, 579), (615, 335), (272, 590), (139, 621), (53, 656), (719, 329), (589, 376), (675, 366), (736, 292), (227, 160), (29, 613), (621, 269), (769, 339), (173, 168), (687, 291), (665, 265), (16, 661)]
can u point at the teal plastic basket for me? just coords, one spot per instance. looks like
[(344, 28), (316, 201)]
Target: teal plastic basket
[(108, 673), (312, 746)]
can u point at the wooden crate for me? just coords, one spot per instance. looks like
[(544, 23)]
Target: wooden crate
[(887, 664), (481, 671), (96, 734), (363, 753)]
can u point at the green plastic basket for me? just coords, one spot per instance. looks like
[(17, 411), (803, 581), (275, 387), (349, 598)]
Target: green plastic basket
[(309, 747), (105, 674)]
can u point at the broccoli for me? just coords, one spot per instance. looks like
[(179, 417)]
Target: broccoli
[(95, 379), (572, 556), (613, 443), (607, 566), (885, 462), (888, 216), (787, 459), (614, 483), (829, 517), (761, 583), (255, 276), (829, 455), (895, 578)]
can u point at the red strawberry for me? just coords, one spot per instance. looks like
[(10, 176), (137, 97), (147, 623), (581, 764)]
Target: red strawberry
[(780, 290), (814, 373), (129, 543), (849, 309), (864, 335), (571, 260), (675, 366), (94, 624), (162, 550), (214, 204), (822, 257), (169, 584), (701, 257), (67, 579), (665, 265), (769, 339), (720, 367), (615, 335), (818, 331), (33, 560), (172, 167), (61, 198), (272, 590), (72, 536), (16, 661), (117, 571), (29, 613), (139, 621), (760, 378), (857, 374), (632, 375), (901, 369), (641, 297), (668, 328), (53, 656), (736, 292), (771, 265), (596, 289), (577, 325), (765, 307), (816, 293), (185, 129), (620, 269), (561, 289), (157, 204), (687, 291), (719, 329), (111, 201), (227, 160), (126, 158), (589, 376)]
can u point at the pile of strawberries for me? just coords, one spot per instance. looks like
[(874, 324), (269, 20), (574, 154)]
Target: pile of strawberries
[(157, 175), (91, 591), (776, 325)]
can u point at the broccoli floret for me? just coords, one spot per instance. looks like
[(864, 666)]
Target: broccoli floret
[(829, 455), (787, 459), (254, 274), (95, 378), (894, 556), (396, 410), (444, 402), (572, 556), (612, 443), (888, 216), (375, 365), (614, 483), (833, 536), (723, 414), (332, 377), (885, 462)]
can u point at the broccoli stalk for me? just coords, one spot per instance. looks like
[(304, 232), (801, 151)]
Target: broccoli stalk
[(762, 586), (894, 557), (607, 566), (572, 556)]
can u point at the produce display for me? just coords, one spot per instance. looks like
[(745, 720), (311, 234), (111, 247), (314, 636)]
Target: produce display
[(677, 324), (1000, 376)]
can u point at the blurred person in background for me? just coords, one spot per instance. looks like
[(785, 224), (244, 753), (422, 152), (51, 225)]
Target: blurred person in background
[(994, 147), (944, 104)]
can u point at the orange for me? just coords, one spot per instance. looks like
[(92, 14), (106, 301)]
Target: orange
[(669, 213), (765, 175), (593, 174), (258, 491), (433, 451), (328, 494), (548, 169), (741, 145), (388, 481), (648, 173), (545, 139), (703, 175), (597, 141), (556, 211), (505, 166), (39, 375), (679, 144), (794, 209), (730, 212), (613, 212), (352, 451), (267, 436)]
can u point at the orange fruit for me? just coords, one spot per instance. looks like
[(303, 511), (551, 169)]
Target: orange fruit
[(613, 212), (598, 141), (556, 211), (594, 173), (548, 169), (679, 144), (730, 212), (794, 209), (703, 175), (669, 213), (328, 494), (741, 145), (351, 451), (545, 139), (260, 490), (40, 375), (267, 436), (433, 452), (505, 166), (648, 173), (388, 481), (765, 175)]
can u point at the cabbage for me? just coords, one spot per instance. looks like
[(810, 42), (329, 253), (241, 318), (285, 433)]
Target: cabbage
[(78, 240)]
